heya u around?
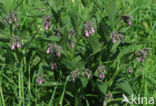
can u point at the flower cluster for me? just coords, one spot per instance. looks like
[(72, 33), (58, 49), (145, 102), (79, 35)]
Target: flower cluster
[(57, 31), (129, 69), (9, 19), (54, 49), (108, 97), (53, 66), (141, 54), (126, 19), (115, 36), (88, 28), (74, 75), (71, 33), (14, 16), (15, 41), (88, 73), (101, 71), (40, 78), (47, 23)]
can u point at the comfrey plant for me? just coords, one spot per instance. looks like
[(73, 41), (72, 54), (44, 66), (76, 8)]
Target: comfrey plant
[(9, 18), (47, 23), (15, 41), (141, 54), (53, 66), (12, 17), (126, 19), (108, 97), (74, 75), (40, 78), (89, 28), (88, 73), (101, 71), (71, 38), (115, 36), (54, 49)]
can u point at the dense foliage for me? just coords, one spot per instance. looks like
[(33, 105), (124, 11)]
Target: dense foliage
[(76, 52)]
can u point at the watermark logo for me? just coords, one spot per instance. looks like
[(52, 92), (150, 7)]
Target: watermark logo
[(138, 100)]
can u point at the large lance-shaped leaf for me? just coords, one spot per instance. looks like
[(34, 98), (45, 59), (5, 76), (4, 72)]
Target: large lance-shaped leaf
[(102, 86), (75, 20), (112, 12), (68, 63), (84, 82), (94, 43), (50, 38), (125, 86)]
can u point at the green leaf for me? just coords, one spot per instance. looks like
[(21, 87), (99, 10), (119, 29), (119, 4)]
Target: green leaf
[(75, 20), (102, 86), (93, 40), (68, 63), (125, 86), (50, 38), (84, 82), (69, 93), (112, 12), (115, 45)]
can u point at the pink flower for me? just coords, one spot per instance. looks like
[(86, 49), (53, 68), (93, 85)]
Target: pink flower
[(139, 60), (46, 27), (40, 81), (12, 46), (54, 83), (59, 53), (9, 21), (90, 32), (87, 34), (18, 45), (48, 50), (129, 23), (101, 74), (93, 30), (72, 45), (52, 66), (15, 19), (88, 76), (73, 79), (114, 40)]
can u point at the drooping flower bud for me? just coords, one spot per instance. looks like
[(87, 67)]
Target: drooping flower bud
[(46, 27), (12, 46), (48, 50), (18, 44), (87, 34), (9, 21), (114, 40), (93, 30)]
